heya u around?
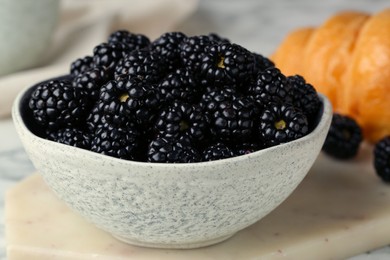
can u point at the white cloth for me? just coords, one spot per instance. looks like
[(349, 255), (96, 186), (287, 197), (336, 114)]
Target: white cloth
[(87, 23)]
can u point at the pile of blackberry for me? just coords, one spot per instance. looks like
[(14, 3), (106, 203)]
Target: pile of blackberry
[(344, 139), (177, 99)]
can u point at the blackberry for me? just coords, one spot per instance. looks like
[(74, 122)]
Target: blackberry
[(382, 158), (169, 150), (179, 85), (217, 38), (130, 40), (141, 64), (281, 123), (216, 152), (71, 136), (107, 55), (167, 48), (116, 140), (191, 52), (213, 97), (226, 63), (271, 86), (304, 96), (262, 63), (182, 119), (344, 137), (230, 116), (129, 99), (91, 81), (57, 104), (80, 65)]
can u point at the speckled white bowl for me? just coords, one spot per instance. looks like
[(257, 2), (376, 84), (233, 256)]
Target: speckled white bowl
[(171, 205)]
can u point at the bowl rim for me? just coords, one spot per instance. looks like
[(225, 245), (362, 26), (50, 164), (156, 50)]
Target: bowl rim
[(324, 116)]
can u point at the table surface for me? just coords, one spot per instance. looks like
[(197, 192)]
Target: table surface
[(258, 25)]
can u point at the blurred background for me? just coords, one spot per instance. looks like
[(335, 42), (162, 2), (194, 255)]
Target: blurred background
[(41, 38)]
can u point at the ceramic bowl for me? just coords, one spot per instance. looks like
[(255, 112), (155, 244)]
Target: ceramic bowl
[(171, 205)]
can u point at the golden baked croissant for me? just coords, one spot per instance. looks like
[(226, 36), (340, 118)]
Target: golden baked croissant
[(347, 58)]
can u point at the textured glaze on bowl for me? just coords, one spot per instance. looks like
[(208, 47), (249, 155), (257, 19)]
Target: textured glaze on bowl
[(171, 205)]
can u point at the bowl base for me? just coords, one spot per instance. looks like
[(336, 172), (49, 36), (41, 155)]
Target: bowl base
[(174, 245)]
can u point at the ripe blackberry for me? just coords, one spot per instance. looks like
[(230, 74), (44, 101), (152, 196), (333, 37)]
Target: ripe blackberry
[(182, 119), (167, 48), (170, 150), (91, 81), (116, 140), (262, 63), (217, 38), (213, 97), (71, 136), (128, 99), (230, 116), (130, 40), (107, 55), (281, 123), (216, 152), (80, 65), (141, 64), (179, 85), (191, 52), (304, 96), (382, 158), (271, 86), (227, 63), (57, 104), (344, 137)]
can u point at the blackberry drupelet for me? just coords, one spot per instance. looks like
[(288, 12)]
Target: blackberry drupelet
[(230, 116), (169, 150), (118, 140), (344, 137), (304, 96), (107, 55), (182, 119), (227, 63), (262, 63), (140, 64), (97, 117), (57, 104), (71, 136), (91, 81), (271, 86), (281, 123), (191, 52), (131, 41), (129, 99), (167, 48), (179, 86), (216, 152), (382, 158), (80, 65)]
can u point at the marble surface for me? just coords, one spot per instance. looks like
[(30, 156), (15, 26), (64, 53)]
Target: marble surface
[(258, 25)]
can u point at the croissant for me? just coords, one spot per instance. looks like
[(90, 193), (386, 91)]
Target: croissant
[(347, 58)]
